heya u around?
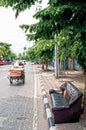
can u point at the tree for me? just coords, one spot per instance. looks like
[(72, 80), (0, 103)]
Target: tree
[(12, 56), (5, 51), (67, 20), (44, 50), (58, 18), (31, 54), (18, 5), (72, 36), (71, 18)]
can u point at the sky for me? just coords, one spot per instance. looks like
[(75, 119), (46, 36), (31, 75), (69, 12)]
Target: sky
[(10, 32)]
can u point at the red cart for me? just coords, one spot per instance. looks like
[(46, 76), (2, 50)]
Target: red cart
[(17, 74)]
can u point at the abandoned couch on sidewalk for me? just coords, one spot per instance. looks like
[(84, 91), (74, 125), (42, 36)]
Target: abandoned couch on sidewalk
[(66, 103)]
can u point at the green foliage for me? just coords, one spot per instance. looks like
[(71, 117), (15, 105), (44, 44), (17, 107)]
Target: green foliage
[(46, 70), (31, 54), (65, 43), (24, 27), (81, 49), (5, 51), (12, 56), (41, 51), (44, 49), (18, 5), (71, 38), (64, 18)]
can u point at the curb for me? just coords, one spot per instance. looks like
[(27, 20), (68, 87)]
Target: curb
[(47, 107)]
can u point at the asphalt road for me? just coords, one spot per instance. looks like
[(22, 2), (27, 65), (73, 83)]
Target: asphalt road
[(17, 100)]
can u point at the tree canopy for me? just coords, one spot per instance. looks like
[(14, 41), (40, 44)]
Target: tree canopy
[(18, 5), (41, 52), (5, 51), (64, 18)]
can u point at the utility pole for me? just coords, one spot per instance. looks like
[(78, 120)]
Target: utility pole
[(56, 61)]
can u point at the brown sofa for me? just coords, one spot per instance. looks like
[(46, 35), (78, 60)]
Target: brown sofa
[(66, 103)]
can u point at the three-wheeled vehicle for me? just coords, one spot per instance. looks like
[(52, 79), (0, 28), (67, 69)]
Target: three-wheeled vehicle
[(17, 73)]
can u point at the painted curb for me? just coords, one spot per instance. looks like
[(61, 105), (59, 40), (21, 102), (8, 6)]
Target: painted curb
[(47, 107)]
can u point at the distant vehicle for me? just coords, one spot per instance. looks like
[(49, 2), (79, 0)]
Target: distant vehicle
[(8, 62), (24, 62), (3, 62)]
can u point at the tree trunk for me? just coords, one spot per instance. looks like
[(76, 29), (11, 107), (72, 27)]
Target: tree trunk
[(84, 96), (46, 63), (42, 65), (85, 93)]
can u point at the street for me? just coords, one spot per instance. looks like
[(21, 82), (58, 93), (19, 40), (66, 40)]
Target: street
[(17, 100)]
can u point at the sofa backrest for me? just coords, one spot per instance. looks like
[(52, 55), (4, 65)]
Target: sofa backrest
[(71, 92)]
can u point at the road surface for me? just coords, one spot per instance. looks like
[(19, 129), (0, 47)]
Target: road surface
[(17, 100)]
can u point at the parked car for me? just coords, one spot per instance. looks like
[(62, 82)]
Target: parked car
[(9, 62), (3, 62)]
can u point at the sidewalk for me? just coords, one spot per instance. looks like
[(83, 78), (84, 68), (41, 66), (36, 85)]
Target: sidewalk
[(49, 81)]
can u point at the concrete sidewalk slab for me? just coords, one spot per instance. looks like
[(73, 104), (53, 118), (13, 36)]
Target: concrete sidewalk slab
[(49, 81)]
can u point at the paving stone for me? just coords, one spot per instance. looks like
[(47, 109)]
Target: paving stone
[(77, 78)]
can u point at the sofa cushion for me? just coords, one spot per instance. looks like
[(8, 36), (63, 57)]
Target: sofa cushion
[(59, 102)]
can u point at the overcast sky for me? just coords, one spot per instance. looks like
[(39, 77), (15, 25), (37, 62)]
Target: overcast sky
[(9, 27)]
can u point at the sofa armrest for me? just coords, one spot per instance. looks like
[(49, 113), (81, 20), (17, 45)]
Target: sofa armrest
[(58, 90)]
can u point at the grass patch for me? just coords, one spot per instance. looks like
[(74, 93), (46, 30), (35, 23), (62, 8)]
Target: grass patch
[(46, 70), (82, 90)]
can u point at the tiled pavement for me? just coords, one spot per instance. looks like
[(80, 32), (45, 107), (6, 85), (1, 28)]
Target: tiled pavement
[(49, 81)]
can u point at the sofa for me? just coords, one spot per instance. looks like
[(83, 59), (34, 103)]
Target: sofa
[(66, 103)]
